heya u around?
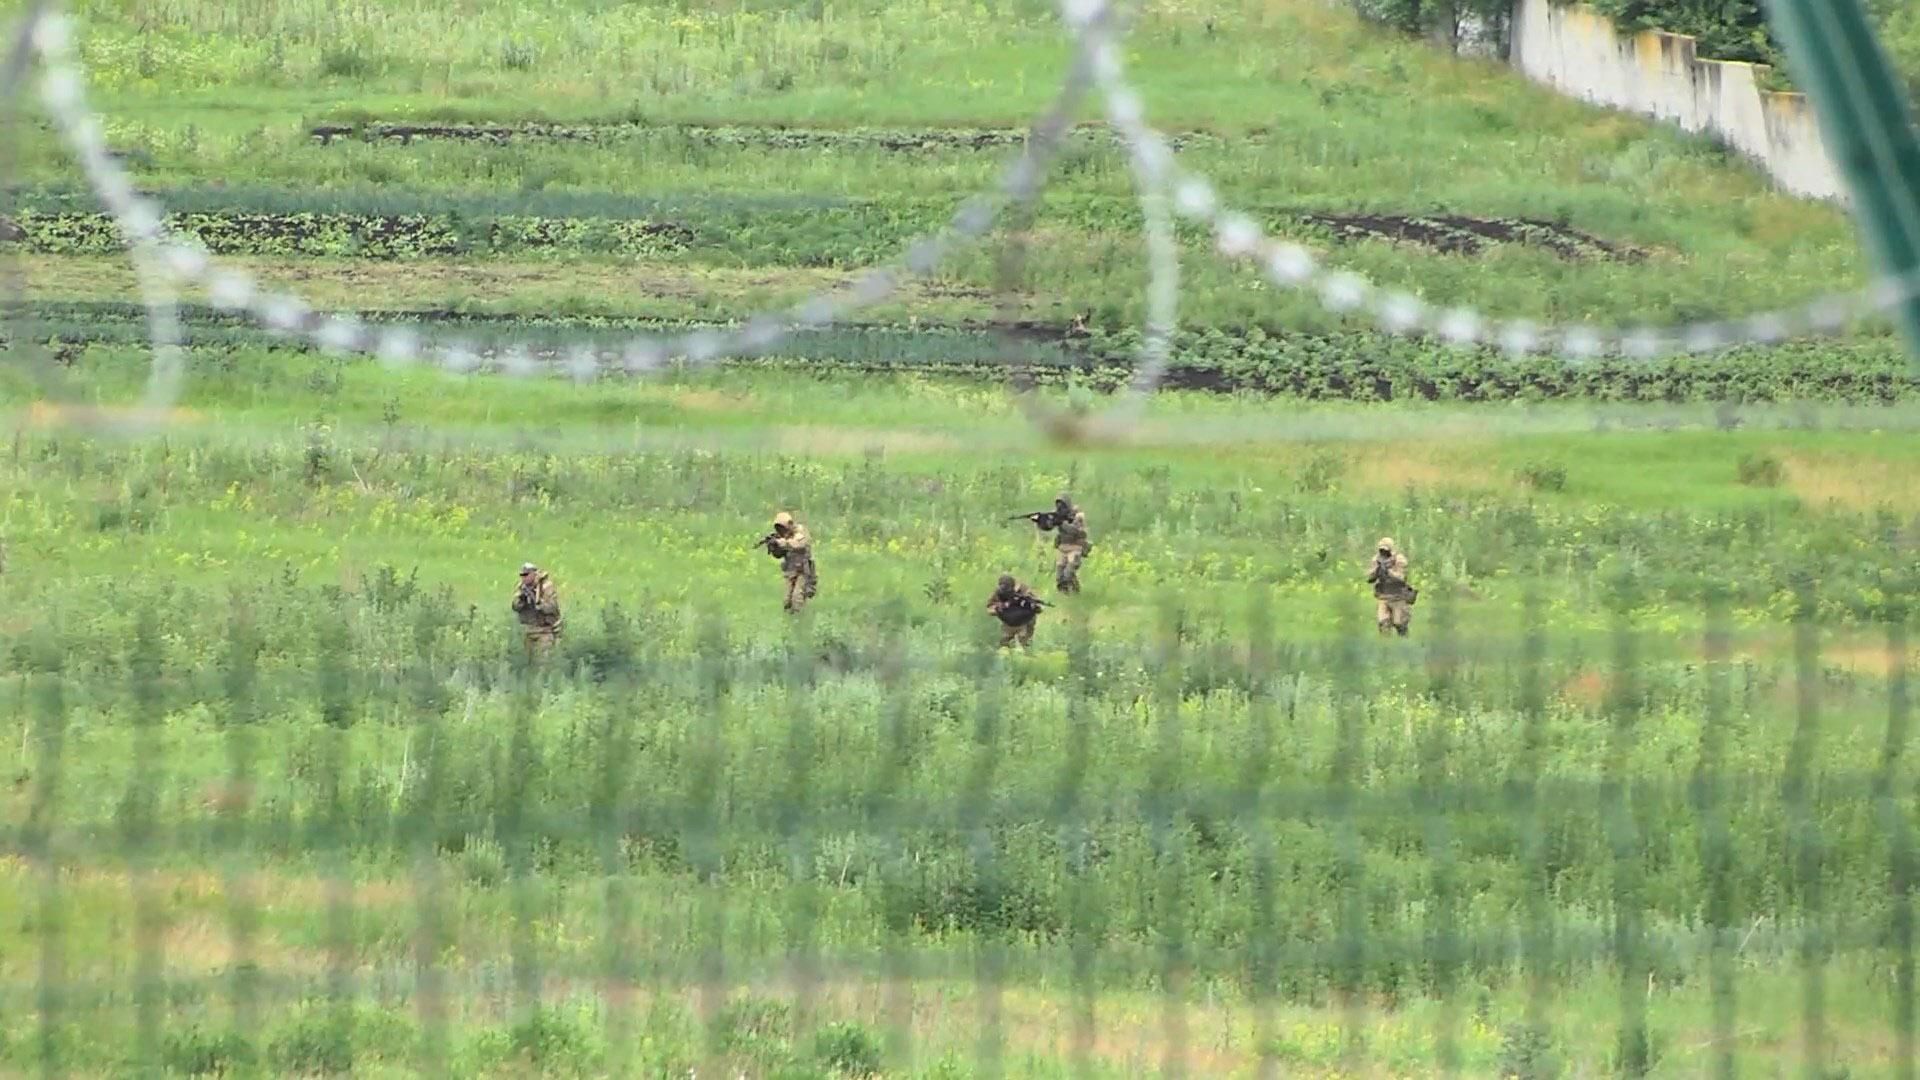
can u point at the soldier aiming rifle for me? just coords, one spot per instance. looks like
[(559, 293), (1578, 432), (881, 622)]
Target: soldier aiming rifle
[(1043, 520), (1071, 546), (790, 543), (537, 603)]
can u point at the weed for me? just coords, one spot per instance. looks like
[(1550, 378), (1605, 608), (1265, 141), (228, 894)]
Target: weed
[(1322, 472), (848, 1048), (326, 1038), (1544, 476), (757, 1029), (1761, 470), (518, 56), (349, 60), (198, 1052), (1526, 1053)]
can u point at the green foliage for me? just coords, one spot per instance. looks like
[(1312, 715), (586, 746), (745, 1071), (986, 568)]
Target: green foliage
[(1761, 470), (848, 1049), (1544, 475), (550, 1041), (1443, 17), (756, 1029), (1726, 29), (332, 1038), (1739, 30), (196, 1051), (1526, 1053)]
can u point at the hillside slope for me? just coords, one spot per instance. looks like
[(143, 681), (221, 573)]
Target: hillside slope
[(771, 149)]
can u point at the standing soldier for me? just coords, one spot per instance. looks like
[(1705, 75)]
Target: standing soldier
[(1017, 609), (790, 543), (1071, 545), (1390, 589), (537, 603)]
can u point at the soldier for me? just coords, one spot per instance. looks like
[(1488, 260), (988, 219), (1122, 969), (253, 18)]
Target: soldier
[(1071, 545), (1390, 589), (1017, 609), (537, 603), (790, 543)]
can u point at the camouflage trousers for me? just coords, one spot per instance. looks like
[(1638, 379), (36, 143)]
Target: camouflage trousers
[(1066, 568), (801, 587), (1022, 633), (1394, 615), (539, 640)]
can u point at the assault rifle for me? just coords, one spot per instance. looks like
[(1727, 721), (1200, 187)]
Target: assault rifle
[(1031, 603), (1381, 571), (765, 540), (1042, 519)]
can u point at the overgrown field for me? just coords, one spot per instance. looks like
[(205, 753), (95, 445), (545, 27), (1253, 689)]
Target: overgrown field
[(1637, 750), (283, 794), (614, 162)]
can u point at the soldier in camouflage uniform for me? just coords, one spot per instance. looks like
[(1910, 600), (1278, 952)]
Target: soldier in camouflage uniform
[(1017, 609), (1393, 596), (537, 603), (1071, 545), (790, 544)]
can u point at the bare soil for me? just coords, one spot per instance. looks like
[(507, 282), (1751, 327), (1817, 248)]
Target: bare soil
[(1453, 234)]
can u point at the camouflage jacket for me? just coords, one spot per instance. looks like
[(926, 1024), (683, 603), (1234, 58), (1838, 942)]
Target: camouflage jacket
[(1014, 608), (538, 603), (1073, 530), (1389, 577), (795, 550)]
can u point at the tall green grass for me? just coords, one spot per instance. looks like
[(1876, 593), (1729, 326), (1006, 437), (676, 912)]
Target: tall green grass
[(324, 617)]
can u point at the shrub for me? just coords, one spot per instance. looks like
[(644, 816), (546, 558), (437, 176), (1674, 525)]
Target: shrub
[(1761, 470), (198, 1052), (1544, 476), (848, 1048)]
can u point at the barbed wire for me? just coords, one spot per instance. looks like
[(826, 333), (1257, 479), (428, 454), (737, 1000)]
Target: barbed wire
[(170, 259), (164, 261)]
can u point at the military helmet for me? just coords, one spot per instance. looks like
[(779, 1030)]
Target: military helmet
[(528, 568), (1006, 582), (1386, 545), (783, 518)]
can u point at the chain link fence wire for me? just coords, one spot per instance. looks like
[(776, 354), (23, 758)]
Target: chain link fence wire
[(736, 881)]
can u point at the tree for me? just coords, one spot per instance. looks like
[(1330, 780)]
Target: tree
[(1447, 20)]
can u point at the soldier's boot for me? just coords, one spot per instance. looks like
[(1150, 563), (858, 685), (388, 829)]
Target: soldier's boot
[(1400, 628)]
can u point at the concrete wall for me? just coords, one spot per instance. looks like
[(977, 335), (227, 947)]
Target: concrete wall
[(1578, 51)]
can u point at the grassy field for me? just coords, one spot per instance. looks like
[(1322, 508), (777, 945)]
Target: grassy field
[(283, 796), (281, 654)]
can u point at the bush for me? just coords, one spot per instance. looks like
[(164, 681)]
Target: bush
[(848, 1048), (555, 1042), (1526, 1053), (1761, 470), (1544, 476), (328, 1038), (197, 1052), (1322, 472), (754, 1028)]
